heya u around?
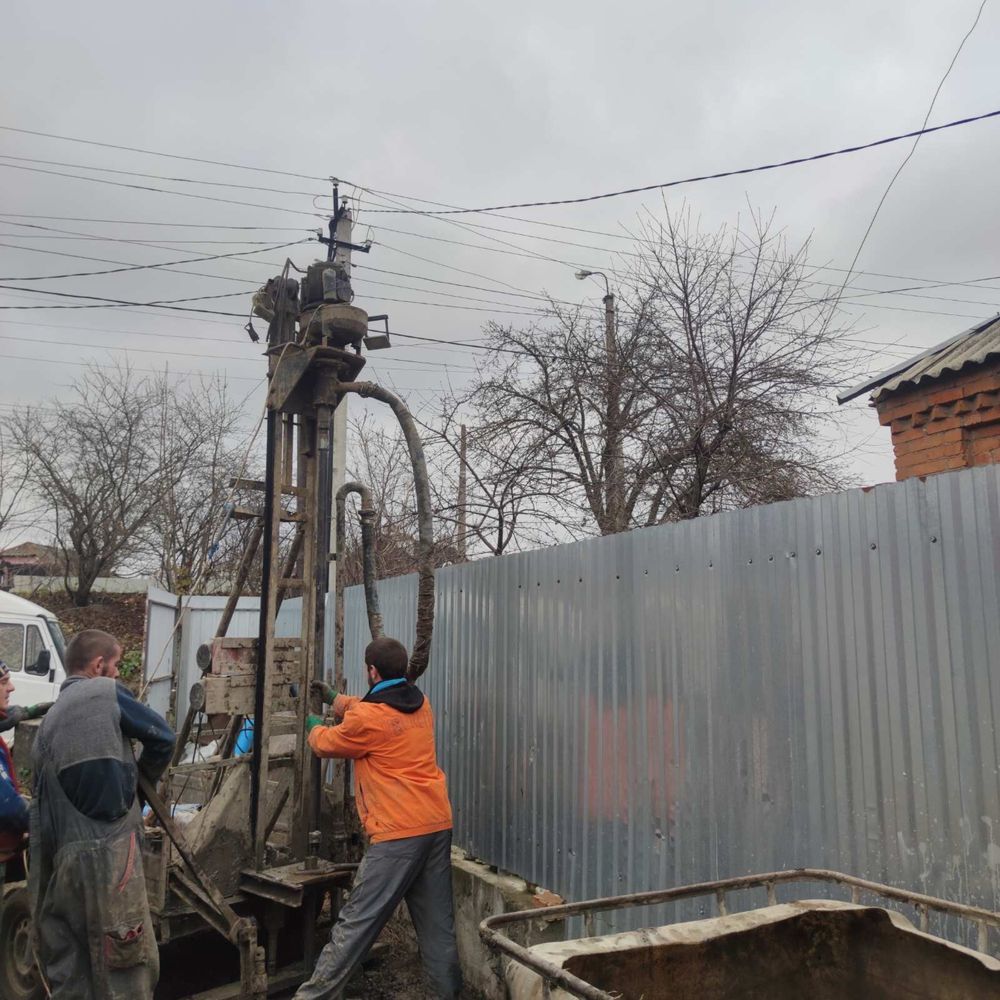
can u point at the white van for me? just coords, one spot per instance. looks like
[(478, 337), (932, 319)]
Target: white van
[(34, 648)]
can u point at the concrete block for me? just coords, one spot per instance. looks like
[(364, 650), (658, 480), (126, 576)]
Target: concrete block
[(481, 892)]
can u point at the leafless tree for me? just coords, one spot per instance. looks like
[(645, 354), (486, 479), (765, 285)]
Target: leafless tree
[(17, 506), (710, 394), (509, 488), (199, 458), (102, 461), (377, 457)]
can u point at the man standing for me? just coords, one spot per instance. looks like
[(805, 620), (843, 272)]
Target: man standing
[(403, 803), (95, 937), (13, 808)]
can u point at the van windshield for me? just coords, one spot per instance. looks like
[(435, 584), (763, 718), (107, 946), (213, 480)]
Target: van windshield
[(58, 638)]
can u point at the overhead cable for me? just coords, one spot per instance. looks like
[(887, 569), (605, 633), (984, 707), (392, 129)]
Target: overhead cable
[(844, 151), (145, 267), (171, 156), (158, 190)]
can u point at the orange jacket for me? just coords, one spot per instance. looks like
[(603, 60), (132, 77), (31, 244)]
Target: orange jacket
[(401, 792)]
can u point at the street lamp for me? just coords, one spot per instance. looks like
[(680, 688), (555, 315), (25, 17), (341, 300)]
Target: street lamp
[(583, 275)]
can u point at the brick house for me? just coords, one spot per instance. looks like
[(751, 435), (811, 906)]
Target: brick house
[(942, 406)]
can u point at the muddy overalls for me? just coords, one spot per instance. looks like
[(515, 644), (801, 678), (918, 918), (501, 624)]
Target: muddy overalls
[(94, 934)]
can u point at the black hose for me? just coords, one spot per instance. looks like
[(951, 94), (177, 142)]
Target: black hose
[(425, 520), (368, 564)]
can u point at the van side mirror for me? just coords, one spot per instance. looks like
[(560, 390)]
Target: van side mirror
[(43, 665)]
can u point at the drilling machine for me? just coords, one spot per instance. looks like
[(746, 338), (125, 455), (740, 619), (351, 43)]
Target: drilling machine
[(272, 838)]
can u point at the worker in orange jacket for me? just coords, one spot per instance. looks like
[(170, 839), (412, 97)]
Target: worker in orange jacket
[(402, 800)]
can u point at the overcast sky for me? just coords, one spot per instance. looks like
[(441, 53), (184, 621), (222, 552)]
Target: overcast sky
[(472, 104)]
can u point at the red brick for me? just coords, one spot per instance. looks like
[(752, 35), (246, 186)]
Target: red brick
[(930, 468)]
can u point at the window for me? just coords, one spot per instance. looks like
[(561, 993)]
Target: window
[(12, 645), (57, 637), (34, 662)]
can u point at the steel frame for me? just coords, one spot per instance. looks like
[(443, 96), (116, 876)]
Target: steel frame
[(552, 975)]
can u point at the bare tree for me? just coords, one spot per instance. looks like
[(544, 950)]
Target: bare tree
[(378, 458), (101, 463), (17, 505), (199, 457), (509, 489), (709, 394)]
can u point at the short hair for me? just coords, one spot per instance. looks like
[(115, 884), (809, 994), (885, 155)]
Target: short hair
[(87, 645), (388, 657)]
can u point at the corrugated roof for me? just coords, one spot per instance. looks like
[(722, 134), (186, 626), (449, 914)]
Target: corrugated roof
[(973, 346)]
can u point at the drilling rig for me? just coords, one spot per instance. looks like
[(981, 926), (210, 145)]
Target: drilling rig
[(272, 835)]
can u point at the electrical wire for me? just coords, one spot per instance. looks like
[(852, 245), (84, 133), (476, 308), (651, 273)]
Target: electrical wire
[(742, 171), (141, 222), (145, 267), (152, 152), (159, 177), (415, 366), (147, 187), (918, 135), (104, 303)]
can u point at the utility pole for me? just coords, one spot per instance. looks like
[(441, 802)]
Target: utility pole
[(343, 232), (613, 457), (462, 496)]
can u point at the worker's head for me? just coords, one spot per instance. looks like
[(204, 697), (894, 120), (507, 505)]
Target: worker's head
[(6, 686), (93, 653), (386, 659)]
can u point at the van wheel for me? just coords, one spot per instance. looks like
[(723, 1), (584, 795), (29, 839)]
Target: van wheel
[(19, 979)]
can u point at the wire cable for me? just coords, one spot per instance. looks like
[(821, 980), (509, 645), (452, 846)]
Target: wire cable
[(171, 156), (908, 157), (160, 177), (111, 303), (145, 267), (141, 222), (742, 171), (179, 194)]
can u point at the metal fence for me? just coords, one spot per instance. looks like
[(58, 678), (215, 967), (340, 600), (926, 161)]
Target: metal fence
[(812, 683)]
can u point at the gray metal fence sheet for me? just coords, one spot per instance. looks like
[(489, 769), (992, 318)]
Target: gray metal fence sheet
[(806, 683)]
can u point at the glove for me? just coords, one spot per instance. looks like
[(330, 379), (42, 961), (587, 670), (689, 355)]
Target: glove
[(324, 691), (37, 711), (312, 721)]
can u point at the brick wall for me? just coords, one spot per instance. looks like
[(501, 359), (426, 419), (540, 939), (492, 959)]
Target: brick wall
[(948, 423)]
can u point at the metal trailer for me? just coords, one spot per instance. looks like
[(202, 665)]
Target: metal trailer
[(824, 949), (273, 836)]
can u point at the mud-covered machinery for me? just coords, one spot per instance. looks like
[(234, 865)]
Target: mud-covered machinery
[(250, 844)]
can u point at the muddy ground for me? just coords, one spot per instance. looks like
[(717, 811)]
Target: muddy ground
[(393, 972)]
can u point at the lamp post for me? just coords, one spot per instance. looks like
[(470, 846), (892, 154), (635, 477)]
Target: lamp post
[(614, 458)]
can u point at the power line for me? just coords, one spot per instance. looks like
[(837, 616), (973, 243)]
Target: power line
[(172, 156), (147, 187), (160, 177), (170, 265), (144, 267), (930, 282), (140, 222), (909, 155), (706, 177), (172, 270), (226, 376), (110, 303), (413, 366), (96, 238), (641, 256)]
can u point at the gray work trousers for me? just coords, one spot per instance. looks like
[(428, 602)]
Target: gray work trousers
[(417, 869)]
